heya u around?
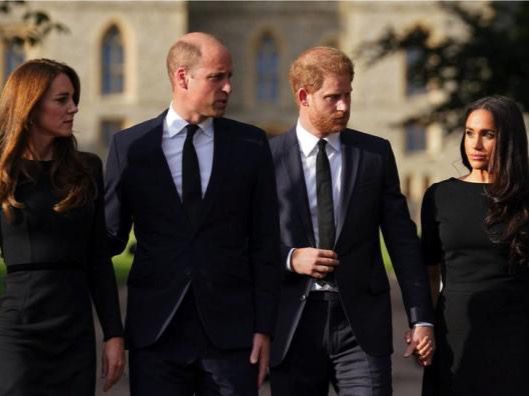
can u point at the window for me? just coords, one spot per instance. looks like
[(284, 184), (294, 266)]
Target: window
[(108, 128), (267, 69), (415, 137), (13, 56), (415, 80), (112, 62)]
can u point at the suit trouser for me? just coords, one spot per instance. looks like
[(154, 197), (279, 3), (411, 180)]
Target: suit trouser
[(183, 361), (324, 350)]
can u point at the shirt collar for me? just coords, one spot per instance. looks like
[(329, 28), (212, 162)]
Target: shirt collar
[(175, 124), (308, 142)]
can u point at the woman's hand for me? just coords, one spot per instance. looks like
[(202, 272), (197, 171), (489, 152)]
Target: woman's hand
[(113, 361)]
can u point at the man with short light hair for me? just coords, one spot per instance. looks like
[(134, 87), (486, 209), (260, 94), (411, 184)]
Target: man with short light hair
[(337, 189), (200, 191)]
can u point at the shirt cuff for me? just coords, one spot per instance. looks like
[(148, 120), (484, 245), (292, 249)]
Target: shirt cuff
[(289, 258), (423, 324)]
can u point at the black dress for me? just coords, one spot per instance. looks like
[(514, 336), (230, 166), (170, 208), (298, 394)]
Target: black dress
[(56, 262), (482, 326)]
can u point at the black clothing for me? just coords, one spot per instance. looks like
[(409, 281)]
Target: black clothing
[(370, 201), (227, 256), (55, 262), (482, 322)]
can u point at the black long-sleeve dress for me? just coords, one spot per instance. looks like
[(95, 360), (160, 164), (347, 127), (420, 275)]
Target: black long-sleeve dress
[(482, 327), (56, 263)]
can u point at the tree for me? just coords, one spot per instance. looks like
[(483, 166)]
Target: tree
[(492, 58), (25, 25)]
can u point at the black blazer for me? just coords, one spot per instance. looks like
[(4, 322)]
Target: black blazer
[(371, 201), (230, 258)]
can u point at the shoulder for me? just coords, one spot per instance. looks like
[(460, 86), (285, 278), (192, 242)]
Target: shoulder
[(442, 189), (364, 140), (92, 163), (282, 142), (91, 160), (238, 130), (136, 131)]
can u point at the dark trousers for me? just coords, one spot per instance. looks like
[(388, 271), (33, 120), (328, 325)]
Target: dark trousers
[(324, 350), (184, 362)]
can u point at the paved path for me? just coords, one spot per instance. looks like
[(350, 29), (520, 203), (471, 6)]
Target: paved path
[(406, 374)]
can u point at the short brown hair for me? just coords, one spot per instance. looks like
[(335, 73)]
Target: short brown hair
[(310, 68)]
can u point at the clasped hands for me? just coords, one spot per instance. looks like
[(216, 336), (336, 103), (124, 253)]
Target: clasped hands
[(421, 344)]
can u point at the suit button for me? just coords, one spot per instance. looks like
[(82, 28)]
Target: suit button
[(303, 297)]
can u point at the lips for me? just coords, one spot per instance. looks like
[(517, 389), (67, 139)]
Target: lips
[(477, 157)]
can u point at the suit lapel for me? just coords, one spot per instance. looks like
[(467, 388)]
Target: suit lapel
[(155, 155), (221, 154), (294, 171), (351, 157)]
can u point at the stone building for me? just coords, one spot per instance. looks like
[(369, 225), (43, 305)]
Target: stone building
[(119, 50)]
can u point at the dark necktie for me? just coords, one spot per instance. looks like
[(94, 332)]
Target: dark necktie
[(191, 187), (326, 228)]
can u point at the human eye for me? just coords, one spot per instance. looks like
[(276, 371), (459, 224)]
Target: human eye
[(469, 132), (62, 99), (490, 134), (216, 77)]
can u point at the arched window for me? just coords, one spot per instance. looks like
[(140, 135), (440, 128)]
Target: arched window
[(415, 80), (112, 62), (267, 69), (13, 55)]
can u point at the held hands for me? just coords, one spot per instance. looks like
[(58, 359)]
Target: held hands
[(313, 262), (421, 343), (260, 354), (113, 361)]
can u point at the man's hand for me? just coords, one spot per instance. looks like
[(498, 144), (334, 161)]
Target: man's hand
[(313, 262), (113, 361), (260, 354), (421, 343)]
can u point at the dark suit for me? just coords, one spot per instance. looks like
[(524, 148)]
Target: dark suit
[(229, 259), (371, 201)]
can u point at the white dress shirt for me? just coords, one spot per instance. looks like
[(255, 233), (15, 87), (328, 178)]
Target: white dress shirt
[(173, 138)]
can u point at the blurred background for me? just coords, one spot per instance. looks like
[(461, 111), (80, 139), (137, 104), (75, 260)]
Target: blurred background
[(417, 64)]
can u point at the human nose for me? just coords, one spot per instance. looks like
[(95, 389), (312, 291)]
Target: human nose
[(343, 105), (478, 143), (226, 87), (73, 108)]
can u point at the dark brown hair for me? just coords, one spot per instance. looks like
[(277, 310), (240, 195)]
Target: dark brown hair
[(508, 194), (71, 179)]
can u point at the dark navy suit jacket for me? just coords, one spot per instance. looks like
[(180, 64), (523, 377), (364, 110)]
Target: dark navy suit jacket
[(371, 201), (230, 259)]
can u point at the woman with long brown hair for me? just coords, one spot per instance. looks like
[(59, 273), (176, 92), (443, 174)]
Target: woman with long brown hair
[(52, 236), (475, 234)]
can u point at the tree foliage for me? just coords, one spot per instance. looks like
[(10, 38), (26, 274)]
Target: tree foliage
[(20, 24), (491, 58)]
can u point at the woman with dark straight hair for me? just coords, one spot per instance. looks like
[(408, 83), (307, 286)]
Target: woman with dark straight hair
[(52, 236), (475, 237)]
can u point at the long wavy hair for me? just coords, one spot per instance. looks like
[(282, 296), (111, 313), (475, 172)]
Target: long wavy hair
[(508, 194), (71, 180)]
